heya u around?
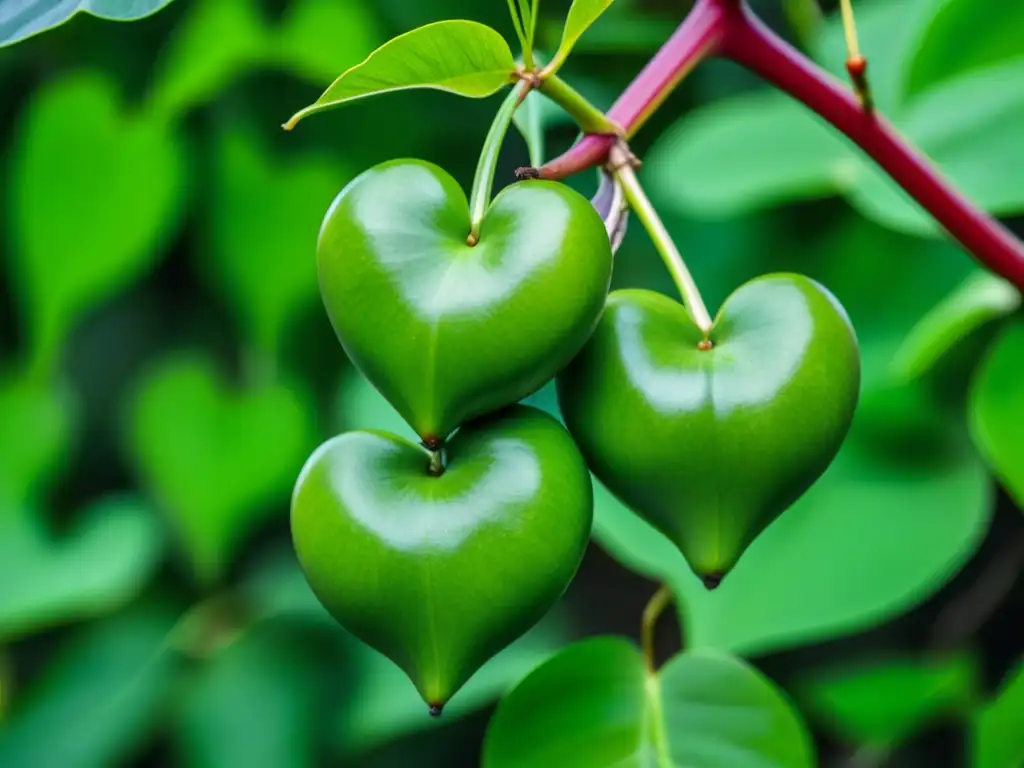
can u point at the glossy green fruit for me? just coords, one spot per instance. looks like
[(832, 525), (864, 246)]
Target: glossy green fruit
[(444, 330), (441, 573), (711, 445)]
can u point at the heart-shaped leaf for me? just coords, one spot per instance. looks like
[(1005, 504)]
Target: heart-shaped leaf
[(262, 224), (997, 740), (104, 562), (449, 331), (997, 409), (103, 693), (217, 42), (30, 17), (461, 57), (981, 300), (218, 460), (78, 241), (510, 512), (38, 423), (595, 705), (582, 14), (883, 702)]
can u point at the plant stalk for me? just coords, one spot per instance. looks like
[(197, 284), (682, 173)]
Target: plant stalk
[(652, 612)]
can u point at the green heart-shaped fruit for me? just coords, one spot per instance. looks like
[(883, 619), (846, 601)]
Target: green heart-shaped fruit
[(439, 573), (444, 330), (711, 443)]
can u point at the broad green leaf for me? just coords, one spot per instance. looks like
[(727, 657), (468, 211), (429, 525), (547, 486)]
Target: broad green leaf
[(320, 38), (94, 198), (103, 562), (217, 42), (748, 152), (886, 701), (262, 224), (595, 705), (997, 739), (582, 14), (882, 530), (30, 17), (461, 57), (997, 409), (217, 458), (970, 128), (981, 300), (38, 423), (250, 704), (97, 700), (964, 36)]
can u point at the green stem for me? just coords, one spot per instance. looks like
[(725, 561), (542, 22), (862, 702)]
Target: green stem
[(637, 198), (483, 182), (652, 612), (517, 22), (656, 721), (587, 116)]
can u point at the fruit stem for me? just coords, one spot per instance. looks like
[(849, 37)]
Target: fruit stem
[(436, 466), (590, 119), (621, 165), (652, 612), (483, 182)]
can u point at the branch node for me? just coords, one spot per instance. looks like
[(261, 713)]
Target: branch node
[(527, 172), (857, 67)]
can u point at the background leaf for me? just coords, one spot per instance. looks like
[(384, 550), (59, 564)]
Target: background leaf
[(998, 740), (34, 16), (78, 242), (461, 57), (593, 705), (217, 458), (106, 560)]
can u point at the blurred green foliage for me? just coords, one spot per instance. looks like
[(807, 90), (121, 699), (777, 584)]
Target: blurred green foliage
[(166, 367)]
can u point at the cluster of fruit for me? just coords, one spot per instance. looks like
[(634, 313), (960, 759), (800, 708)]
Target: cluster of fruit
[(441, 554)]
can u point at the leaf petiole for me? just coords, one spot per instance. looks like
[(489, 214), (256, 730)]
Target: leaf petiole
[(515, 10), (483, 181)]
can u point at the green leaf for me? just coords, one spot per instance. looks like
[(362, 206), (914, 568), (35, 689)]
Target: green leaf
[(997, 740), (262, 226), (595, 706), (981, 300), (31, 17), (582, 14), (94, 198), (217, 42), (97, 700), (461, 57), (319, 38), (884, 702), (38, 422), (882, 529), (251, 704), (748, 152), (965, 36), (997, 409), (970, 128), (103, 562), (218, 459)]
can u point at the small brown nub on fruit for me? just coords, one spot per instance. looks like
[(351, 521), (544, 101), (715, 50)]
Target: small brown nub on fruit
[(856, 66), (432, 443), (435, 710), (712, 580), (527, 173), (704, 345), (472, 239)]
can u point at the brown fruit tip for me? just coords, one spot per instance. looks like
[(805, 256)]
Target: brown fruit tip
[(705, 344), (436, 709), (432, 443), (856, 66), (527, 173), (712, 580)]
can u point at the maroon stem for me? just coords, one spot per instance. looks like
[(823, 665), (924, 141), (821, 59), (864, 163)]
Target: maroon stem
[(728, 28), (695, 39), (748, 41)]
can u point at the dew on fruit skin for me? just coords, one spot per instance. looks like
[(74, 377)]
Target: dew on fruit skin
[(436, 709), (712, 580)]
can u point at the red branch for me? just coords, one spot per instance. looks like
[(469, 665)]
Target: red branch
[(730, 29)]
